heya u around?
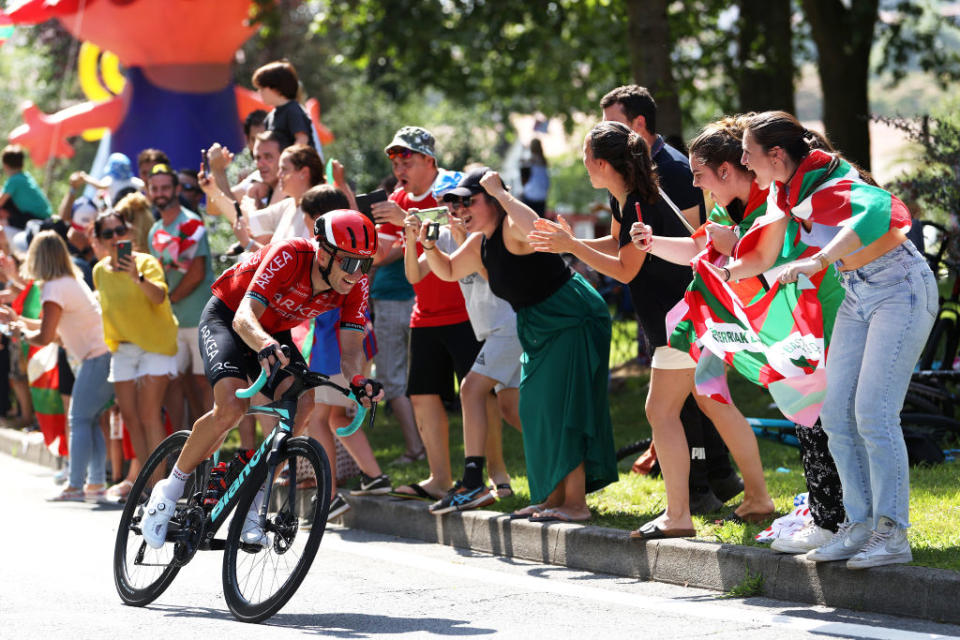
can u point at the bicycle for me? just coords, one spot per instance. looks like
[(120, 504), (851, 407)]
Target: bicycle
[(257, 580)]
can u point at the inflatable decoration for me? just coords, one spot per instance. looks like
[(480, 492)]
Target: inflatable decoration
[(176, 92)]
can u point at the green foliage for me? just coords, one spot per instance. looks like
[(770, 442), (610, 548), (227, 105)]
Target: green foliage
[(750, 587), (934, 183), (912, 35)]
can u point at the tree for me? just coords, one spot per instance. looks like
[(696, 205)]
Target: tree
[(765, 70), (844, 38), (650, 48)]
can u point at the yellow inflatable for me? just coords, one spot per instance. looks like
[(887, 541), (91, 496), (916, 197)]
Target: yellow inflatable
[(100, 78)]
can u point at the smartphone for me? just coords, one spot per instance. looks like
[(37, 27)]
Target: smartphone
[(436, 214), (365, 201), (124, 249), (639, 214), (203, 161)]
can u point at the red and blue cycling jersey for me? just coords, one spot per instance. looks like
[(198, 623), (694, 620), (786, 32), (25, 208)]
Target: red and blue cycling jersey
[(279, 277)]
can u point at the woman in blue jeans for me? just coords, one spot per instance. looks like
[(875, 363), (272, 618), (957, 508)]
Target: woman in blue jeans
[(72, 314), (880, 329)]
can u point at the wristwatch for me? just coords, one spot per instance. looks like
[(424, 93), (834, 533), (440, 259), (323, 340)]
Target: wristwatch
[(140, 276)]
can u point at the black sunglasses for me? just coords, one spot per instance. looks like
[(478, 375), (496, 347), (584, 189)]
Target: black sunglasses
[(351, 265), (189, 187), (465, 203), (107, 234)]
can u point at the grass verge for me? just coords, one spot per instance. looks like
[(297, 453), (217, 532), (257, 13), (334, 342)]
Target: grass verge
[(633, 500)]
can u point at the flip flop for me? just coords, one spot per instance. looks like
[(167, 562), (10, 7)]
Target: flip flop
[(651, 531), (525, 513), (552, 515), (752, 518), (418, 493)]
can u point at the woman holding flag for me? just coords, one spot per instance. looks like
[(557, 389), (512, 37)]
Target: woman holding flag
[(880, 329), (740, 210), (618, 160)]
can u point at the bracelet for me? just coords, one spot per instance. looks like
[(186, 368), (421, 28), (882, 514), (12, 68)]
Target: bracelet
[(726, 274), (822, 259), (250, 244), (140, 276)]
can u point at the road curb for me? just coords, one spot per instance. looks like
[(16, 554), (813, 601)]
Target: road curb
[(917, 592), (27, 446)]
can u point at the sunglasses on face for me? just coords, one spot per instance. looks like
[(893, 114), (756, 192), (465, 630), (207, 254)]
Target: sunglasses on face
[(462, 203), (107, 234), (403, 154), (189, 187), (350, 265)]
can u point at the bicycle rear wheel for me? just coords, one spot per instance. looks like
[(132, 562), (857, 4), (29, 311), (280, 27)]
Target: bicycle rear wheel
[(140, 572), (258, 581)]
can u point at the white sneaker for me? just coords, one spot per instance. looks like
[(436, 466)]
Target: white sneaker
[(252, 533), (845, 543), (887, 545), (806, 539), (156, 516)]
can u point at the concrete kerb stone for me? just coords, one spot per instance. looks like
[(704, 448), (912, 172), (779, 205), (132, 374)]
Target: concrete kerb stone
[(917, 592), (897, 590), (27, 446)]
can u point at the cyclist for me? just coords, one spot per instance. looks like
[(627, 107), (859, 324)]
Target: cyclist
[(255, 303)]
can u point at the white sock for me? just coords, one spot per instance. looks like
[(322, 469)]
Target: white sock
[(173, 487)]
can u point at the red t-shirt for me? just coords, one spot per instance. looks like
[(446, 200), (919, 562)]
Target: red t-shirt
[(438, 302), (278, 275)]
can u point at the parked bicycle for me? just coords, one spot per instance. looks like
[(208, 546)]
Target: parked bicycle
[(257, 579)]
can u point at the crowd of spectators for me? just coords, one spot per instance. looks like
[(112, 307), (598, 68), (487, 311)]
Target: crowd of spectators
[(476, 302)]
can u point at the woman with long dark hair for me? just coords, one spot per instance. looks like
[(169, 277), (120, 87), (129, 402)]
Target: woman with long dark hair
[(617, 159), (740, 203), (880, 329), (564, 329)]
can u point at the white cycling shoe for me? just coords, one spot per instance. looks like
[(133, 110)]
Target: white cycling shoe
[(156, 516), (252, 533)]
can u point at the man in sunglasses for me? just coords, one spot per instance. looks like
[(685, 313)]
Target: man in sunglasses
[(442, 343), (254, 306), (179, 241)]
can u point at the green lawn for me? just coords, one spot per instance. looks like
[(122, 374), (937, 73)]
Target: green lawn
[(935, 497)]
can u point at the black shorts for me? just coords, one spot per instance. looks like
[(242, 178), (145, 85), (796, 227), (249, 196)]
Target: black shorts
[(436, 353), (226, 355)]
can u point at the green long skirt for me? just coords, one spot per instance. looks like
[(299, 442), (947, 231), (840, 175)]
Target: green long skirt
[(564, 404)]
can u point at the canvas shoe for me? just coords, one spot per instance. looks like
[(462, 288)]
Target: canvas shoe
[(808, 538), (156, 516), (887, 545), (460, 499), (373, 486), (338, 506), (845, 543)]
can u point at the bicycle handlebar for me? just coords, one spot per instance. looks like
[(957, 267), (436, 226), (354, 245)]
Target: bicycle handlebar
[(320, 380)]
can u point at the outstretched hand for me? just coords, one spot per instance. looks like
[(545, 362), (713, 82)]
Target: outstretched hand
[(808, 267), (552, 237)]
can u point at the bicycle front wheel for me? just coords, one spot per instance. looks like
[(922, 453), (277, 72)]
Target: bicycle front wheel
[(140, 572), (258, 580)]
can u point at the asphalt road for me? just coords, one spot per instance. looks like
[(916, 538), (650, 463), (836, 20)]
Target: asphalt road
[(56, 582)]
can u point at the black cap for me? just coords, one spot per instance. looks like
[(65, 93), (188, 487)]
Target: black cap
[(469, 185)]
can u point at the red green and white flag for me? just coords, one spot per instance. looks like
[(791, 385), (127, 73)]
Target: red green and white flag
[(827, 191), (43, 375), (776, 337), (177, 251)]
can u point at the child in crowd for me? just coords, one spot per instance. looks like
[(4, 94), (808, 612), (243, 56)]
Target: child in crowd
[(21, 199), (278, 85)]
